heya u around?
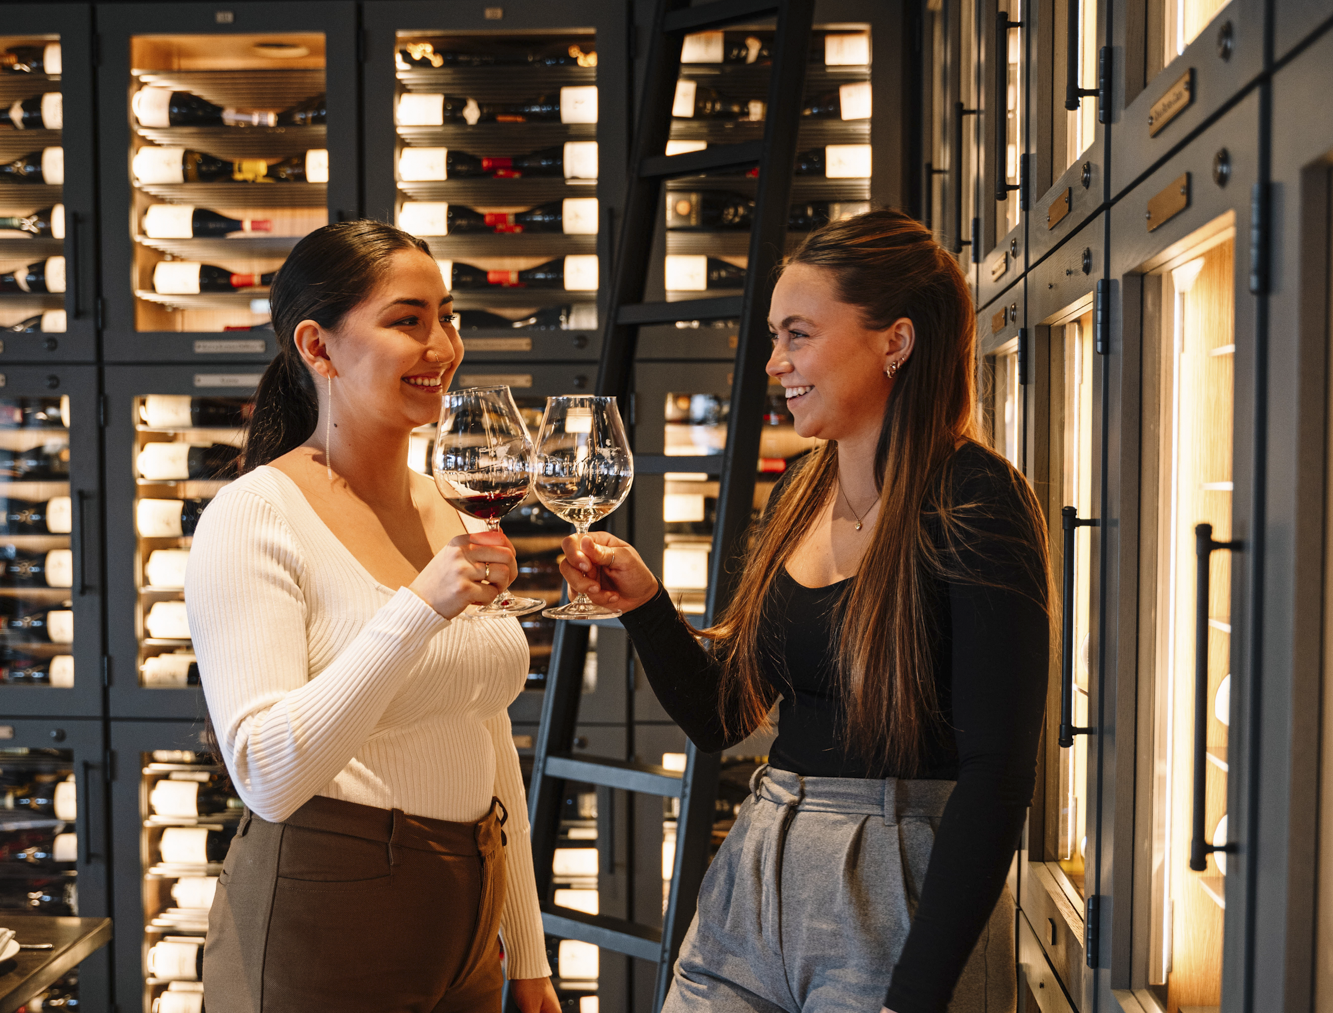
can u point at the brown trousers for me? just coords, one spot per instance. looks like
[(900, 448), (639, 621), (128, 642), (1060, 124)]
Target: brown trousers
[(347, 907)]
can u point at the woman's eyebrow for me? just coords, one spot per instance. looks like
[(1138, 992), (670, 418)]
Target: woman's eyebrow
[(788, 321), (418, 303)]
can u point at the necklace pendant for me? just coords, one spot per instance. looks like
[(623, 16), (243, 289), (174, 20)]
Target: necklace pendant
[(858, 525)]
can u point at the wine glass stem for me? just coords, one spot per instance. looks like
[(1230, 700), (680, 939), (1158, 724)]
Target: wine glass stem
[(504, 598), (580, 530)]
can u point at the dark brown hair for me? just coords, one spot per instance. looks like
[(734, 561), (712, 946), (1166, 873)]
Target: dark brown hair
[(888, 266), (326, 276)]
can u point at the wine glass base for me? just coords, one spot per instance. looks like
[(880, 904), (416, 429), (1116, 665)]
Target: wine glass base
[(516, 606), (581, 610)]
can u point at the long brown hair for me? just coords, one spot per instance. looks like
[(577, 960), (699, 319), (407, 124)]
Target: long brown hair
[(888, 266)]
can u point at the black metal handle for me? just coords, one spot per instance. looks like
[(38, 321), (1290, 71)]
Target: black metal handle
[(928, 198), (1071, 522), (84, 802), (73, 228), (1204, 547), (956, 167), (81, 532), (1073, 93), (1002, 28)]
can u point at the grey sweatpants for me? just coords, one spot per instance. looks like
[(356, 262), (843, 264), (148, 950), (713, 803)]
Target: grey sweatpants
[(807, 905)]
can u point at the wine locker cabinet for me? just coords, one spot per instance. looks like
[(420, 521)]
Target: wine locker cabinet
[(54, 858), (1003, 357), (51, 546), (1175, 874), (225, 136)]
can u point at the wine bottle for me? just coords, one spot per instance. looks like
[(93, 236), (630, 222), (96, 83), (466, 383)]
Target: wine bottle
[(694, 272), (45, 277), (180, 411), (720, 209), (571, 160), (194, 845), (180, 221), (850, 101), (40, 847), (181, 165), (166, 568), (194, 891), (40, 112), (48, 463), (689, 513), (578, 317), (18, 669), (573, 104), (49, 798), (424, 56), (162, 107), (177, 669), (45, 167), (167, 620), (817, 214), (698, 101), (168, 518), (184, 796), (53, 896), (311, 112), (176, 960), (63, 995), (575, 216), (36, 569), (35, 517), (576, 272), (725, 47), (22, 621), (178, 462), (835, 161), (186, 277), (48, 223), (35, 413), (47, 322), (42, 59)]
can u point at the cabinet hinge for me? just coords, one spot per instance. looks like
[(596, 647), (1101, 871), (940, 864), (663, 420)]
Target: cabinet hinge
[(1024, 376), (1090, 929), (1101, 318), (1104, 85), (1259, 210)]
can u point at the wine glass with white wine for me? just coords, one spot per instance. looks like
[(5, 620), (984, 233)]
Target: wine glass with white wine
[(583, 471), (483, 467)]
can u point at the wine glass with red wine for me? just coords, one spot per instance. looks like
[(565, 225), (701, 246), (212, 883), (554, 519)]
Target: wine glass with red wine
[(483, 467)]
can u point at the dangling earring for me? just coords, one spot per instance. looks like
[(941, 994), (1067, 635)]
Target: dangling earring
[(892, 371), (328, 433)]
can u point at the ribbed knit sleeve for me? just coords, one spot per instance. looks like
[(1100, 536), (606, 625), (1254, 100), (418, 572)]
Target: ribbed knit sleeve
[(284, 734), (521, 917)]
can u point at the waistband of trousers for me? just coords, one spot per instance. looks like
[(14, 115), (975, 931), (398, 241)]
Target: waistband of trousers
[(397, 828), (891, 798)]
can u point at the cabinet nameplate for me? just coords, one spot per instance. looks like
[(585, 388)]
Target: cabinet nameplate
[(249, 347), (495, 379), (998, 268), (1059, 209), (498, 344), (1177, 99), (998, 321), (227, 379), (1174, 199)]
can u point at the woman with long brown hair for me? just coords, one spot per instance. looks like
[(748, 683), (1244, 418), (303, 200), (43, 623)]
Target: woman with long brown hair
[(894, 605)]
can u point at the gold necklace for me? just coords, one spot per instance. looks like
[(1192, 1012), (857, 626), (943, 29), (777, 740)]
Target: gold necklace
[(858, 517)]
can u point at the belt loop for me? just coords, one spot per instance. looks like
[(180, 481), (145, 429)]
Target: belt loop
[(397, 816), (890, 801), (244, 825)]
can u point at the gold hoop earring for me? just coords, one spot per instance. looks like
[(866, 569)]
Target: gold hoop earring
[(328, 433), (892, 371)]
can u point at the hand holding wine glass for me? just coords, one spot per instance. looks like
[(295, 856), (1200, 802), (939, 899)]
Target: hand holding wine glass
[(608, 570), (483, 468), (584, 470), (453, 579)]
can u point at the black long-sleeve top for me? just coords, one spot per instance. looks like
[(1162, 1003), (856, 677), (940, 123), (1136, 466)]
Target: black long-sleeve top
[(990, 678)]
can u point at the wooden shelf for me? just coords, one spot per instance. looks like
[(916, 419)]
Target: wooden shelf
[(253, 195), (239, 142)]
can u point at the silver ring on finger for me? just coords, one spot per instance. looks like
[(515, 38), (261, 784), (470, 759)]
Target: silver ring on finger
[(486, 574), (612, 561)]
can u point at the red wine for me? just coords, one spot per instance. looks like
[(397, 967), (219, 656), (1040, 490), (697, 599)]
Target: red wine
[(180, 221), (184, 277), (571, 160), (487, 506), (47, 223), (575, 216), (46, 167), (181, 165), (41, 112)]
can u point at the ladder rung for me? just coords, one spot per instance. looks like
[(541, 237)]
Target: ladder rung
[(727, 307), (715, 158), (623, 774), (615, 934), (717, 14)]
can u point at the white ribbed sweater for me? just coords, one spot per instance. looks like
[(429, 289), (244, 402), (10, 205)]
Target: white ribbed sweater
[(322, 681)]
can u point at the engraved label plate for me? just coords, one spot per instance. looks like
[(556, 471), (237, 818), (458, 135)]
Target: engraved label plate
[(998, 268), (494, 379), (1169, 203), (998, 321), (498, 344), (1176, 100), (227, 379), (1059, 210), (249, 347)]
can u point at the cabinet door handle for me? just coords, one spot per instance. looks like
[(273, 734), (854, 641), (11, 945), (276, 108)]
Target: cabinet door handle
[(81, 497), (1204, 547), (73, 237), (956, 167), (928, 198), (1002, 28), (1073, 93), (85, 799), (1071, 522)]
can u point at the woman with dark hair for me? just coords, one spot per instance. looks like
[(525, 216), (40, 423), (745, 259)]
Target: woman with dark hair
[(363, 724), (894, 605)]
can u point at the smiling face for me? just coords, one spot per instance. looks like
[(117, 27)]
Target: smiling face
[(396, 351), (830, 363)]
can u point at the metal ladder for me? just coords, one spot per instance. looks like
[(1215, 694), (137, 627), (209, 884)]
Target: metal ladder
[(554, 763)]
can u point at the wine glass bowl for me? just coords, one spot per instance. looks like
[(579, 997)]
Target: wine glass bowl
[(482, 465), (583, 471)]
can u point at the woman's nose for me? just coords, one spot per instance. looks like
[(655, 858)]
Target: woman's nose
[(777, 362)]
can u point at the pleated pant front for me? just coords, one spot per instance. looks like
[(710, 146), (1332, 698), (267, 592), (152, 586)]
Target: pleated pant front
[(347, 908), (807, 905)]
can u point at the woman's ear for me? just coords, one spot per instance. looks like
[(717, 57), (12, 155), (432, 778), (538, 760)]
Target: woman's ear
[(313, 348), (899, 341)]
